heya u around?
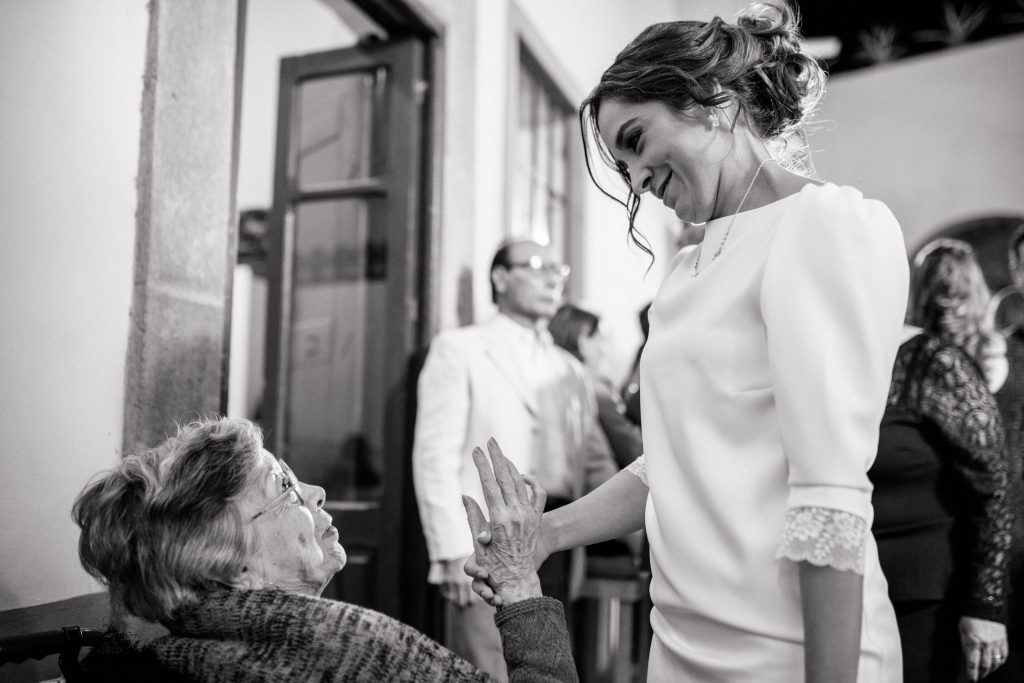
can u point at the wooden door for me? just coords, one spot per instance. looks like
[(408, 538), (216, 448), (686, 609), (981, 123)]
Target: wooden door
[(343, 299)]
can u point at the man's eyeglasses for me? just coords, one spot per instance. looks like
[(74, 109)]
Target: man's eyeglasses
[(289, 489), (537, 265)]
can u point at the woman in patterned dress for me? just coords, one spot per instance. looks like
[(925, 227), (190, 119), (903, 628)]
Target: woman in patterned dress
[(941, 516)]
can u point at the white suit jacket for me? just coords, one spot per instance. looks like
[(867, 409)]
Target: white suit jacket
[(471, 389)]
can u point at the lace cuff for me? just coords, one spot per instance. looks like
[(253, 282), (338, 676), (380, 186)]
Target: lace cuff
[(638, 468), (824, 537)]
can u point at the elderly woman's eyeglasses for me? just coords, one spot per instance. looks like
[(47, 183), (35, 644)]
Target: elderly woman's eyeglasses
[(537, 265), (290, 489)]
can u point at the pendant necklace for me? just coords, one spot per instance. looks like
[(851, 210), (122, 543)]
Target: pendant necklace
[(721, 245)]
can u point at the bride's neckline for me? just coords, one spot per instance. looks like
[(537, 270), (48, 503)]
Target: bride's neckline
[(776, 202)]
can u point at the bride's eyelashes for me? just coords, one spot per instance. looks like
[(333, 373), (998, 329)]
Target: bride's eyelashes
[(633, 141)]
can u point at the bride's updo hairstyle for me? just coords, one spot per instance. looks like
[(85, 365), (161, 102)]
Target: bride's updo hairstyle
[(755, 63)]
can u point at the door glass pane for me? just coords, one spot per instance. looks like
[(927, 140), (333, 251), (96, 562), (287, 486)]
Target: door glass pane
[(335, 119), (336, 382)]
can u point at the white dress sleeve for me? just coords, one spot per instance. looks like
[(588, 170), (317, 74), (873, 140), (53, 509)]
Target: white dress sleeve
[(833, 299), (638, 468)]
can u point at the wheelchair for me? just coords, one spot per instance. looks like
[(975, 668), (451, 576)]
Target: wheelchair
[(66, 643)]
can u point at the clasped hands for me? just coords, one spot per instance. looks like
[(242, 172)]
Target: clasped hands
[(505, 549)]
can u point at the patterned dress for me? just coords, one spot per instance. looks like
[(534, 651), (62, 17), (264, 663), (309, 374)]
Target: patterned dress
[(941, 516)]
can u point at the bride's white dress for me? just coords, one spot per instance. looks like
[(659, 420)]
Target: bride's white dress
[(763, 383)]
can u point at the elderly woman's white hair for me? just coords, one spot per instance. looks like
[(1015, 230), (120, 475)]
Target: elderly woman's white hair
[(162, 528)]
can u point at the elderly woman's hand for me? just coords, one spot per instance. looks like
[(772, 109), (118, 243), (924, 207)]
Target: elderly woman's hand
[(479, 575), (516, 504)]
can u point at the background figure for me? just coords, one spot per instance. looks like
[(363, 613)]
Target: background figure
[(631, 388), (578, 331), (941, 518), (1011, 405), (505, 379)]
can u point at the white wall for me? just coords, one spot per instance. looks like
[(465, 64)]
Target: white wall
[(939, 138), (71, 90)]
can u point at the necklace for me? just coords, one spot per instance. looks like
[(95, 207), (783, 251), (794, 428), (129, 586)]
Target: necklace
[(721, 245)]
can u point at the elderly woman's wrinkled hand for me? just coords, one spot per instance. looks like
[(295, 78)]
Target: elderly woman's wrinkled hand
[(515, 504)]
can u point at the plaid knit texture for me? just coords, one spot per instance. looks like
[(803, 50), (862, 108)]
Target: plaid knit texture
[(271, 635)]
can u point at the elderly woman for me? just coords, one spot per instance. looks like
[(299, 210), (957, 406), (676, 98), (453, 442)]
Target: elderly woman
[(212, 536)]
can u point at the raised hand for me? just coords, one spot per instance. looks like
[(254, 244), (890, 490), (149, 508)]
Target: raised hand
[(516, 505)]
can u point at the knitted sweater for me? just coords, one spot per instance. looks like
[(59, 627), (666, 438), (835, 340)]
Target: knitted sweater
[(271, 635)]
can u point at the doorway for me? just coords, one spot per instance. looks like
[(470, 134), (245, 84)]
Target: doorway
[(343, 303), (334, 268)]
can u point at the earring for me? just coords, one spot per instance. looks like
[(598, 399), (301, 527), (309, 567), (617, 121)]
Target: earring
[(713, 116)]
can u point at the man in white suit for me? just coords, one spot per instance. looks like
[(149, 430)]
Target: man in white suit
[(504, 379)]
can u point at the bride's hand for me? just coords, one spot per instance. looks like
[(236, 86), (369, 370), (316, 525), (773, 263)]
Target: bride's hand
[(480, 585)]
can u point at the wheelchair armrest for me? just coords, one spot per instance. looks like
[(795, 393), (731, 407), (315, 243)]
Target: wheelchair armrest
[(69, 639)]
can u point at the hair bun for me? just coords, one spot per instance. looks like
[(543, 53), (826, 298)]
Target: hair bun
[(781, 74), (775, 24)]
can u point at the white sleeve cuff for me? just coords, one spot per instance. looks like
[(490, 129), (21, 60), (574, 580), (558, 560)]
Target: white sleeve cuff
[(824, 537), (638, 468)]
